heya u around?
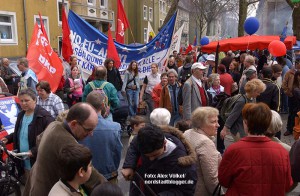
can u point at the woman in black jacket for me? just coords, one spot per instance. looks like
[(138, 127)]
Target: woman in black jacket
[(31, 121)]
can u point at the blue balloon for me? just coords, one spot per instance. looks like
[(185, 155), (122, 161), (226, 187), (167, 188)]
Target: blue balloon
[(251, 25), (204, 41)]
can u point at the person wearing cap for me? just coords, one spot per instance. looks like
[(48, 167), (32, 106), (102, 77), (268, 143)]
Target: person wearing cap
[(210, 63), (249, 75), (248, 64), (193, 92)]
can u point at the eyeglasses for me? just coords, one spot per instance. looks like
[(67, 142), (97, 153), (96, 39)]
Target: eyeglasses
[(86, 129)]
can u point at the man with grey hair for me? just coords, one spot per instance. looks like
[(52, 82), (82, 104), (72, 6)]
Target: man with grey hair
[(7, 75), (28, 77), (169, 95), (101, 83), (193, 92)]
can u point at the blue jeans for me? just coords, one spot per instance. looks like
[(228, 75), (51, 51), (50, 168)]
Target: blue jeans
[(175, 117), (133, 101)]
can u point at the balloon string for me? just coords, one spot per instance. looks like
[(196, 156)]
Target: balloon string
[(248, 42)]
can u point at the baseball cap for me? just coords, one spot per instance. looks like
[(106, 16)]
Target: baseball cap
[(211, 57), (249, 72), (198, 65)]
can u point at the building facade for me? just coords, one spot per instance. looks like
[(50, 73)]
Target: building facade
[(17, 19), (139, 12)]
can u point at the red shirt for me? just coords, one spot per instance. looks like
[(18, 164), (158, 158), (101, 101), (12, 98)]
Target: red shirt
[(226, 81), (255, 166)]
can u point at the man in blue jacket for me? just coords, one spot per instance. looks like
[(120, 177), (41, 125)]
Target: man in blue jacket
[(105, 144)]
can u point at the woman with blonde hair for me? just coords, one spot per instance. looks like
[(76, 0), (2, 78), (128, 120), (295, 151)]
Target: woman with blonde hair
[(205, 125), (234, 122)]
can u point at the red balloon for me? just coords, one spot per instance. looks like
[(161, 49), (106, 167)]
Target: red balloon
[(277, 48)]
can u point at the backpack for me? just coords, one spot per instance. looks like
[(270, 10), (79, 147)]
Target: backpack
[(102, 92), (179, 97), (185, 74), (218, 100), (228, 105)]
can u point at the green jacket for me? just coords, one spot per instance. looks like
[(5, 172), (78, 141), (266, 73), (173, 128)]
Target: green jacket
[(110, 91)]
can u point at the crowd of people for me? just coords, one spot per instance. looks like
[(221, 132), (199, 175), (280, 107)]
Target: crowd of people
[(177, 148)]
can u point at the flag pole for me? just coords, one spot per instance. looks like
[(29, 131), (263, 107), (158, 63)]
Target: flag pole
[(132, 35)]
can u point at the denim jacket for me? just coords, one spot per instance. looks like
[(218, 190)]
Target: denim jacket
[(106, 147)]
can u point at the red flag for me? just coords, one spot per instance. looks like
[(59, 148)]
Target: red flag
[(112, 52), (67, 50), (188, 49), (122, 23), (43, 27), (43, 60)]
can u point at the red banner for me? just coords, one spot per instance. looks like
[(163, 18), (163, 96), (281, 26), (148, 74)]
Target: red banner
[(43, 60), (122, 23), (67, 50), (112, 52)]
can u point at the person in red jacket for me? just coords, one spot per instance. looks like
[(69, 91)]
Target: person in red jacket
[(255, 165)]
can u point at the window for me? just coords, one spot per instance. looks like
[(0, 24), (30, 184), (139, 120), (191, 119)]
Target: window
[(161, 22), (150, 13), (59, 7), (112, 28), (91, 2), (164, 7), (59, 44), (160, 6), (145, 35), (45, 22), (145, 12), (103, 3), (8, 28)]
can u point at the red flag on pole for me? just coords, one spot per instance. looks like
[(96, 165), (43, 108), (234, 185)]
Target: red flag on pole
[(122, 23), (43, 27), (43, 60), (112, 52), (67, 50), (188, 49)]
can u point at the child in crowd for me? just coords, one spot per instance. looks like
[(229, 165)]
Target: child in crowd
[(136, 123), (182, 125), (76, 161)]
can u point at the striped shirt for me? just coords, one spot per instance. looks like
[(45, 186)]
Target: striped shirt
[(52, 104)]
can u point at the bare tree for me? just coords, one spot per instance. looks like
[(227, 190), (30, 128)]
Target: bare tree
[(170, 13), (243, 12), (210, 10), (296, 16)]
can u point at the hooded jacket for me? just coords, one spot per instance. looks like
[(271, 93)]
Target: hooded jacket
[(165, 181)]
